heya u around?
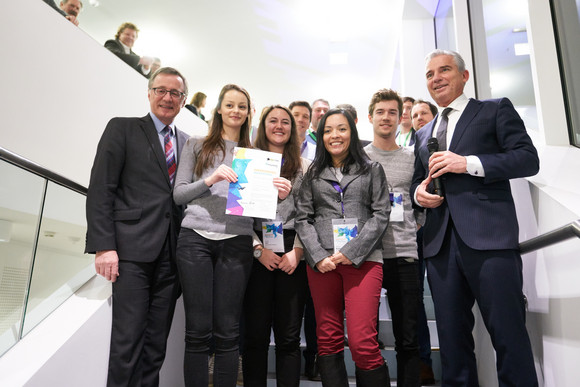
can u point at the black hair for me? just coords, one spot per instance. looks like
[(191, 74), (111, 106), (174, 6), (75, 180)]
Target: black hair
[(356, 157)]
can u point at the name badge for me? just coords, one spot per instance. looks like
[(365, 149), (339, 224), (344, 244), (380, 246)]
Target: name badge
[(343, 230), (273, 236), (396, 207)]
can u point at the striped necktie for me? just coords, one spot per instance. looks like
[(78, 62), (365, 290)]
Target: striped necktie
[(169, 153), (442, 130)]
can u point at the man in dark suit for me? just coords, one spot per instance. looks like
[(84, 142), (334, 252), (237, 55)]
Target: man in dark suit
[(122, 47), (471, 232), (133, 225)]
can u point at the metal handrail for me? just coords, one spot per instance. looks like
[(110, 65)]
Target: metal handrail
[(568, 231), (30, 166)]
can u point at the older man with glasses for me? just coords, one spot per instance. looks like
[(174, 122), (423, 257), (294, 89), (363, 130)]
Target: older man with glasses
[(132, 228)]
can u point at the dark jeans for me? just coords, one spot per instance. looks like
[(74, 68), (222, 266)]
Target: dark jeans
[(422, 327), (214, 275), (144, 298), (400, 279), (275, 300)]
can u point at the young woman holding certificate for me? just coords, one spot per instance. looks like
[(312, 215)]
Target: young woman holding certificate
[(276, 291), (342, 211), (214, 250)]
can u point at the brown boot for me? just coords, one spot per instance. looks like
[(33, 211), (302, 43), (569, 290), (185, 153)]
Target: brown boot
[(426, 375)]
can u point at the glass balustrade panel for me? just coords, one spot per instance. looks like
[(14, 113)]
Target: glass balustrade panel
[(60, 265), (21, 195)]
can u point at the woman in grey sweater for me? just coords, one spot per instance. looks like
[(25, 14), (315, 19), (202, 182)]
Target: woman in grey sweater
[(342, 211), (214, 250)]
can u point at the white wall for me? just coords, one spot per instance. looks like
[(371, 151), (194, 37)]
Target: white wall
[(61, 87)]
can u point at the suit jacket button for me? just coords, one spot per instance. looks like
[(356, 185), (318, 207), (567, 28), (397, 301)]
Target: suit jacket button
[(167, 215)]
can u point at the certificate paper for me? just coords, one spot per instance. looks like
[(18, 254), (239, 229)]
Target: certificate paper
[(254, 193)]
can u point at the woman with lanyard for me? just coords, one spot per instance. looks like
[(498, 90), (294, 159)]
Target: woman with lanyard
[(214, 250), (342, 211), (276, 292)]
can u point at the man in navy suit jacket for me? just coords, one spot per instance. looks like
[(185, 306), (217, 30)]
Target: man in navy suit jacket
[(132, 228), (471, 232)]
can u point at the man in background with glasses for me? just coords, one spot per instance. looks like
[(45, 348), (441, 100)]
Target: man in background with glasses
[(132, 228)]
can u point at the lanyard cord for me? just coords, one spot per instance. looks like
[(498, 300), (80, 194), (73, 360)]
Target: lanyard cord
[(341, 192)]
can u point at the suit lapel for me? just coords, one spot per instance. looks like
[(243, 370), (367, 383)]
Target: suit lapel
[(467, 116), (148, 128)]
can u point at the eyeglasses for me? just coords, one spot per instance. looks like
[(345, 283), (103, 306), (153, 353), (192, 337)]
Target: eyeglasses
[(160, 92)]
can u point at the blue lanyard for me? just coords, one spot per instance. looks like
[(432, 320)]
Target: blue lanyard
[(341, 192)]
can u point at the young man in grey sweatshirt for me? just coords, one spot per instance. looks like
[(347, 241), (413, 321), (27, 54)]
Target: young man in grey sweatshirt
[(400, 265)]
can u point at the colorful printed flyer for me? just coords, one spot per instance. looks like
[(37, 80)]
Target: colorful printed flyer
[(344, 230), (254, 193)]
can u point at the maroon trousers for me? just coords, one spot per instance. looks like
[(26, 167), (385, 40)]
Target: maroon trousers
[(355, 292)]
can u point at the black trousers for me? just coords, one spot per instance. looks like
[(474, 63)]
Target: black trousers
[(274, 300), (214, 275), (144, 297), (400, 279)]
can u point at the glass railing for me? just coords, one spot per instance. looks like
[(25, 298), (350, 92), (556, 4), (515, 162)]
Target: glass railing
[(42, 234)]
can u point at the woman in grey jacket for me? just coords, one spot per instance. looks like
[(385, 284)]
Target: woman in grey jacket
[(342, 211)]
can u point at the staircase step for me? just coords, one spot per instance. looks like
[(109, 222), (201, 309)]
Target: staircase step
[(388, 354)]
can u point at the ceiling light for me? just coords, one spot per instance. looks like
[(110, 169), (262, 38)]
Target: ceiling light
[(522, 49)]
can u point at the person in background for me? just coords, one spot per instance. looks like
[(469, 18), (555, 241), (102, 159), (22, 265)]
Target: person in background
[(214, 250), (400, 259), (276, 291), (406, 134), (423, 112), (122, 47), (342, 211), (132, 226), (197, 103), (350, 109), (301, 111), (72, 18), (470, 237), (156, 65), (72, 8), (319, 108)]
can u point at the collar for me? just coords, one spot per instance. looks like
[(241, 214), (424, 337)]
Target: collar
[(159, 126), (458, 104)]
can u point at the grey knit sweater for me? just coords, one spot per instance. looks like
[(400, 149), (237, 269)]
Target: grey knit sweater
[(206, 206), (399, 240)]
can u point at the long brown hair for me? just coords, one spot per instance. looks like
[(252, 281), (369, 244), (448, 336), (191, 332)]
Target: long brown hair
[(291, 154), (213, 142)]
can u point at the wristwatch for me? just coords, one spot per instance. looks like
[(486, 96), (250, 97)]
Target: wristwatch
[(258, 252)]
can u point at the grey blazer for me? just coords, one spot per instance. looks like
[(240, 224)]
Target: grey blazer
[(366, 197)]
